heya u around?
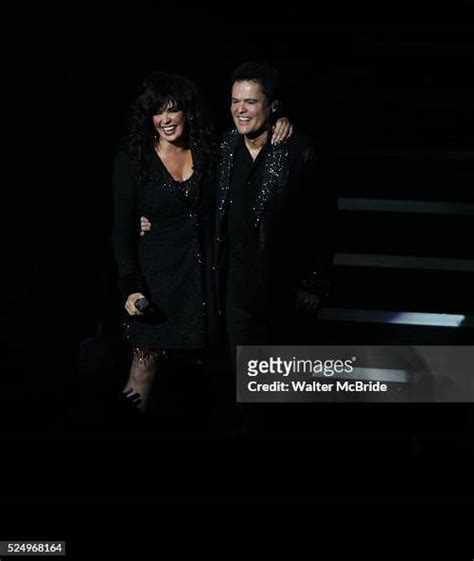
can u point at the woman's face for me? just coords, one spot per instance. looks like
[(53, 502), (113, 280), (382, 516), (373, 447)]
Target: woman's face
[(169, 123)]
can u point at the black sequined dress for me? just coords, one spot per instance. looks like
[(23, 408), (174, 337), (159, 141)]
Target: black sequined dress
[(167, 263)]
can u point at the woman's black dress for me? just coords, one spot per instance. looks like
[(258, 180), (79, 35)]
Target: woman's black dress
[(167, 263)]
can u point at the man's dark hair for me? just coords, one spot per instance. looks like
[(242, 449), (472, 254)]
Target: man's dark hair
[(263, 73)]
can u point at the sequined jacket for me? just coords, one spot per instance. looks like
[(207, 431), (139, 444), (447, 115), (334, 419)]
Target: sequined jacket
[(293, 216)]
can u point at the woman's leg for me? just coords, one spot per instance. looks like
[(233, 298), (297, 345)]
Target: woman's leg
[(142, 373)]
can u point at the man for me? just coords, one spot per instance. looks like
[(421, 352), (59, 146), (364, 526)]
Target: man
[(271, 257)]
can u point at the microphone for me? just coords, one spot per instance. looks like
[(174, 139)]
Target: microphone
[(144, 306), (150, 312)]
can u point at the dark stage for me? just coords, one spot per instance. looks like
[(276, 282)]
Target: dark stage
[(391, 105)]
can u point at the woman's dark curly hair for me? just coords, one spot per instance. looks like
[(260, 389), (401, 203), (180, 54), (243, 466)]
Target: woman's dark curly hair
[(158, 90)]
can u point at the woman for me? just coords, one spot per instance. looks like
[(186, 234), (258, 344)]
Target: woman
[(165, 174)]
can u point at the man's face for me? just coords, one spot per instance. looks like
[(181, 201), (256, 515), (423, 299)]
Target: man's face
[(250, 108)]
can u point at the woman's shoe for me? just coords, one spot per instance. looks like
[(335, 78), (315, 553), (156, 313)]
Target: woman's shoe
[(128, 408)]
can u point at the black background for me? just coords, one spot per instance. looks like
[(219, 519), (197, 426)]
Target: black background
[(68, 77)]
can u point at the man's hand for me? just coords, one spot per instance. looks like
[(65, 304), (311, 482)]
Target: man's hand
[(130, 304), (306, 300), (145, 225), (282, 130)]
